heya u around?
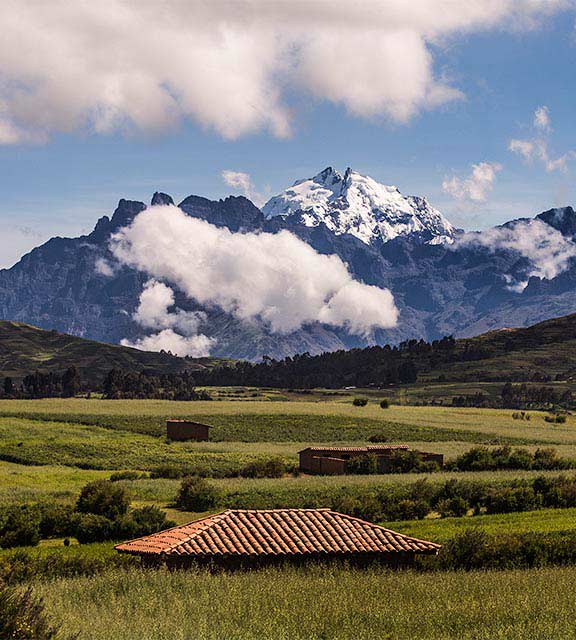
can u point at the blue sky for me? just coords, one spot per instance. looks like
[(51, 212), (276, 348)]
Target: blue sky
[(62, 184)]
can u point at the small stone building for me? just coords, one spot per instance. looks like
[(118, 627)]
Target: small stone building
[(187, 430), (254, 537), (332, 460)]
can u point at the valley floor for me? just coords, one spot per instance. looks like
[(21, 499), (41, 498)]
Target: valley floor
[(49, 449)]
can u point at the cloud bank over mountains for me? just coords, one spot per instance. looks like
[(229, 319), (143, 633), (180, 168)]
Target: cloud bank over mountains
[(276, 279), (229, 65)]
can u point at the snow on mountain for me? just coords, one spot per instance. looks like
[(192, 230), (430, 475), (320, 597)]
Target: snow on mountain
[(360, 206)]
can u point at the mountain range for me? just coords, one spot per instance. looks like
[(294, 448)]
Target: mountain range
[(444, 280)]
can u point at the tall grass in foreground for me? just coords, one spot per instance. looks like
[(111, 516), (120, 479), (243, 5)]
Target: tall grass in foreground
[(315, 603)]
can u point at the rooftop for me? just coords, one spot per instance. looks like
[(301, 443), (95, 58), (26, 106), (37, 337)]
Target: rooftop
[(367, 449), (275, 532)]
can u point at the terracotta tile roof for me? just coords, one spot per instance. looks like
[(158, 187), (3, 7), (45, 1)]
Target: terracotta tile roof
[(367, 449), (278, 532)]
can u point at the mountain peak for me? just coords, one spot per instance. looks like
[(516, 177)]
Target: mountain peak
[(360, 206), (161, 198)]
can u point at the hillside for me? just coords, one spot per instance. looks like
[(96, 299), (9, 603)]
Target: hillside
[(25, 349), (541, 353)]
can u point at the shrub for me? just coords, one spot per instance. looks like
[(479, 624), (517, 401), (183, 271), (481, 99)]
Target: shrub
[(196, 494), (19, 526), (558, 418), (141, 522), (22, 616), (93, 528), (509, 499), (169, 471), (385, 403), (378, 437), (359, 402), (56, 520), (127, 475), (103, 498), (264, 468), (453, 507), (362, 465)]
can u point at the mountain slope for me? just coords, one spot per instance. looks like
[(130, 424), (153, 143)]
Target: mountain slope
[(74, 285), (25, 349), (358, 205)]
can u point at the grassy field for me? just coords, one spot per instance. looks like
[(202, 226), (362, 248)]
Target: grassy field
[(316, 604), (49, 449), (442, 529)]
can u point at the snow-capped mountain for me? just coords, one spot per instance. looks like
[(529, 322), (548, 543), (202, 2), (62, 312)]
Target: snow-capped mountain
[(359, 206)]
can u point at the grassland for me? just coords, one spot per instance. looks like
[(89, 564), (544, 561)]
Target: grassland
[(50, 448), (316, 604)]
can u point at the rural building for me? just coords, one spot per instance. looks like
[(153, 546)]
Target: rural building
[(258, 536), (186, 430), (332, 460)]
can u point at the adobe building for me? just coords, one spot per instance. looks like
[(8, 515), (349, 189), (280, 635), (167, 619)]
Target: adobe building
[(182, 430), (249, 537), (332, 460)]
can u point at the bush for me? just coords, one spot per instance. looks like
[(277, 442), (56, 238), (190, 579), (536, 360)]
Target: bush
[(22, 616), (385, 403), (264, 468), (169, 472), (453, 507), (141, 522), (19, 527), (103, 498), (93, 528), (509, 499), (378, 437), (557, 419), (56, 520), (196, 494), (362, 465), (127, 475), (359, 402)]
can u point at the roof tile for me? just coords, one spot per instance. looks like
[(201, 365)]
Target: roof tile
[(275, 532)]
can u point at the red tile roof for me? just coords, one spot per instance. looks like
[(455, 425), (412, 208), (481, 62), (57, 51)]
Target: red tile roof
[(367, 449), (275, 532)]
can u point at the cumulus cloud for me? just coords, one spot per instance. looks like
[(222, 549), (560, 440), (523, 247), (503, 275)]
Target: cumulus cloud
[(153, 312), (168, 340), (243, 182), (276, 279), (548, 251), (476, 187), (537, 147), (228, 65)]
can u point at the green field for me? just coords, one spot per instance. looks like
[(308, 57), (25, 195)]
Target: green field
[(49, 449), (316, 604)]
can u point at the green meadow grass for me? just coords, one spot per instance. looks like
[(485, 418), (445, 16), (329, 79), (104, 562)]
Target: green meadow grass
[(315, 603), (442, 529), (33, 442), (320, 420)]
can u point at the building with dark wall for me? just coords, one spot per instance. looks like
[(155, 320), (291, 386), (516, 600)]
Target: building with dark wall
[(332, 460), (187, 430)]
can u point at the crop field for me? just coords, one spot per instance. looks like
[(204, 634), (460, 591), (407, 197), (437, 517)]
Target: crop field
[(316, 604), (50, 449)]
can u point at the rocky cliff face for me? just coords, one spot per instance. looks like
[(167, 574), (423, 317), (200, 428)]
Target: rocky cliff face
[(72, 285)]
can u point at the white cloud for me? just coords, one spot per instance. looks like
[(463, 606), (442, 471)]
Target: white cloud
[(548, 251), (243, 182), (168, 340), (476, 187), (274, 278), (228, 65), (153, 312), (104, 268), (537, 148), (542, 118)]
